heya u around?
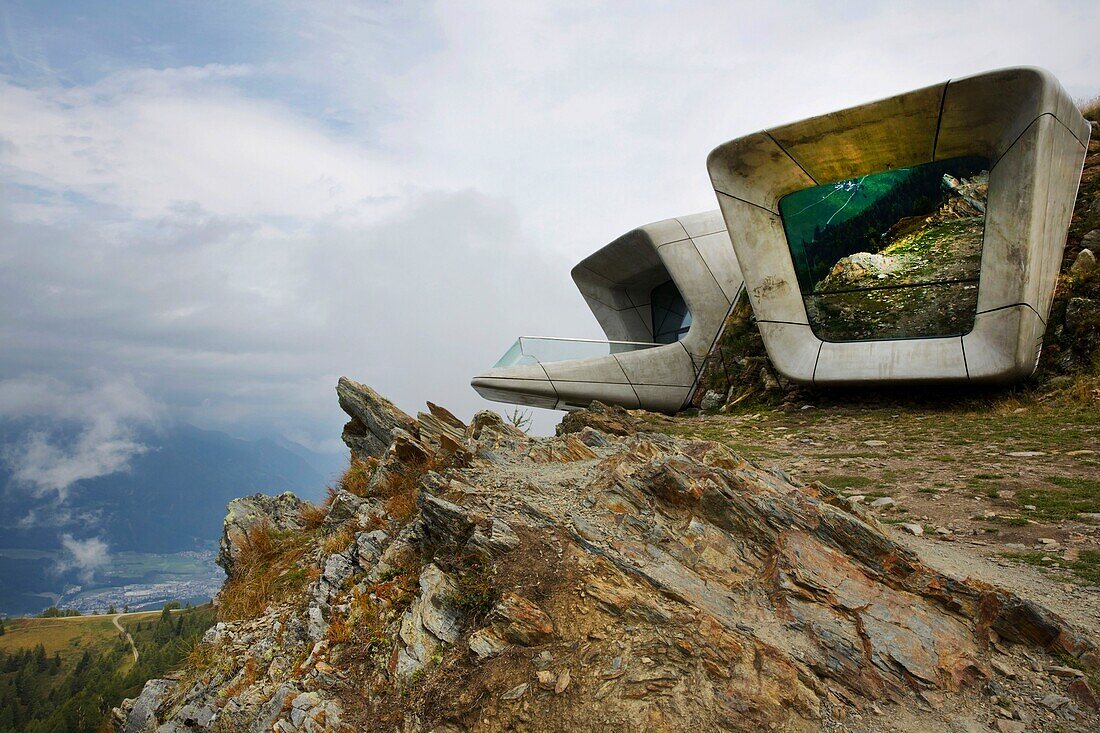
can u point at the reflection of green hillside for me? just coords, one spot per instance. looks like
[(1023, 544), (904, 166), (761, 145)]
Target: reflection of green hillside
[(920, 252), (816, 205), (826, 223)]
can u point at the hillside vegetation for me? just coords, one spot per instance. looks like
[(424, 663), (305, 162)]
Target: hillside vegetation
[(65, 674)]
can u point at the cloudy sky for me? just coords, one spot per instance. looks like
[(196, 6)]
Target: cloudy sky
[(210, 211)]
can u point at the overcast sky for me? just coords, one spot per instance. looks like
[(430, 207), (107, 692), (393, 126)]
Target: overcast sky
[(212, 212)]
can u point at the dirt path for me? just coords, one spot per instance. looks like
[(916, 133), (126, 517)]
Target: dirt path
[(133, 647)]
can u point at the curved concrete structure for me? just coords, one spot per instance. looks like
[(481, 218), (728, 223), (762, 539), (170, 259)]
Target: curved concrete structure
[(1033, 138), (656, 349)]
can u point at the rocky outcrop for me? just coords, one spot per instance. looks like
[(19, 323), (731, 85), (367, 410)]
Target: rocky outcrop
[(610, 419), (373, 419), (644, 583), (281, 513)]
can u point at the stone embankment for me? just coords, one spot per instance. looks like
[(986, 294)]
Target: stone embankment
[(473, 578)]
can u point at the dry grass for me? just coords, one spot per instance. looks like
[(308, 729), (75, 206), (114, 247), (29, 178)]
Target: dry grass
[(339, 541), (269, 569), (247, 678), (1090, 108), (313, 516), (356, 478)]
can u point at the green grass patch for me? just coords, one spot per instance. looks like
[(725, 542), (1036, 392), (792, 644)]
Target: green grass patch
[(1065, 499), (1085, 569)]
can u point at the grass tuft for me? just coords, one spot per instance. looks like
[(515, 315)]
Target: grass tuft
[(269, 569)]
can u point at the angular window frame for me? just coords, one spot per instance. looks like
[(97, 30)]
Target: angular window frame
[(1019, 118)]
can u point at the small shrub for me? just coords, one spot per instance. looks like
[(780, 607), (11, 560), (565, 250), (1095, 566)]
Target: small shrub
[(475, 595)]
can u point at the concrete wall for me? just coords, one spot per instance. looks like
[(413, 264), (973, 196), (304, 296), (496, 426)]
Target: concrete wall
[(1021, 119)]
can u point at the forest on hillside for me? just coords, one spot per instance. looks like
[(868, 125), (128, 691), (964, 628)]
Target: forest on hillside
[(39, 694)]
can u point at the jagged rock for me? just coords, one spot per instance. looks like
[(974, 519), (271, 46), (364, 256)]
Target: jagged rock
[(666, 584), (373, 419), (712, 400), (444, 523), (560, 450), (407, 449), (1083, 316), (142, 710), (490, 544), (1083, 694), (368, 547), (486, 643), (346, 506), (282, 513), (431, 619), (610, 419), (439, 425), (493, 434), (520, 621), (1085, 262), (338, 569)]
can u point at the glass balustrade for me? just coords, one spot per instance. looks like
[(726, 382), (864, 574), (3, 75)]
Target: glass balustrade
[(546, 349)]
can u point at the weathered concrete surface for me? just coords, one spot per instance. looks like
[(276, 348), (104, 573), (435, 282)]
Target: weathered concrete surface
[(1021, 119)]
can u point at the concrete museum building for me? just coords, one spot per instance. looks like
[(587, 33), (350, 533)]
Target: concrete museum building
[(917, 238)]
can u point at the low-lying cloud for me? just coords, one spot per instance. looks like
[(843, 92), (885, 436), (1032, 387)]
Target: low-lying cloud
[(100, 440), (84, 556)]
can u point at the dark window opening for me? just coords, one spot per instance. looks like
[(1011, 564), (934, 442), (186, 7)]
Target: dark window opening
[(671, 317)]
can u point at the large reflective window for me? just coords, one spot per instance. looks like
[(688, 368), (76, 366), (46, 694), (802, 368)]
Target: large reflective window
[(671, 317), (893, 254)]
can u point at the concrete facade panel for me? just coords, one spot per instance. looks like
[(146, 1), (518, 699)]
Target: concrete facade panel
[(767, 270), (667, 365), (663, 399), (718, 253), (792, 349), (1021, 119), (755, 170), (891, 361), (700, 225), (528, 392), (599, 369), (1004, 345), (890, 133), (578, 395)]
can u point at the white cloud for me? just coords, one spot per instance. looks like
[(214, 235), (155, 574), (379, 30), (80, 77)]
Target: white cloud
[(84, 556), (104, 415), (139, 142)]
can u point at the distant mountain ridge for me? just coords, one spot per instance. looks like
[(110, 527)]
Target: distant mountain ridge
[(172, 497)]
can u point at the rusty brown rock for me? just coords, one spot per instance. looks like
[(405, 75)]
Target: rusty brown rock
[(610, 419), (1081, 691), (520, 621)]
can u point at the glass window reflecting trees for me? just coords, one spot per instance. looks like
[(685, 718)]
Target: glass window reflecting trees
[(890, 255), (671, 317)]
